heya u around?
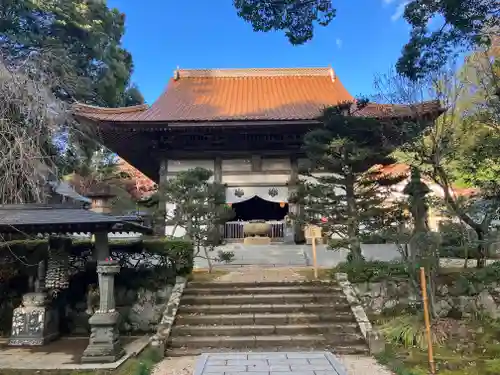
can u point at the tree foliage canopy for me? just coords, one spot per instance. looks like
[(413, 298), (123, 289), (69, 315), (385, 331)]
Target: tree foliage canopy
[(79, 42), (441, 28), (296, 18)]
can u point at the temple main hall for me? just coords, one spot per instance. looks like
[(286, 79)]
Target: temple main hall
[(245, 125)]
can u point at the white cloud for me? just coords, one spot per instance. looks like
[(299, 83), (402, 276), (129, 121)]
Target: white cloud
[(338, 42), (400, 10)]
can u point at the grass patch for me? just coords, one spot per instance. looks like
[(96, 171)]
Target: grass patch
[(460, 347), (202, 275), (141, 365)]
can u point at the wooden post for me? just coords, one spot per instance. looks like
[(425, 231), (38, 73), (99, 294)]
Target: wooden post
[(423, 285), (315, 264), (313, 232)]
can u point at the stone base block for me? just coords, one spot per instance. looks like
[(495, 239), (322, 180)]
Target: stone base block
[(103, 353), (104, 343), (257, 241), (34, 324)]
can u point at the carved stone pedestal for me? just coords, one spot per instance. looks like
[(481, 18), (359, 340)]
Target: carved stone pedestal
[(104, 344), (34, 323)]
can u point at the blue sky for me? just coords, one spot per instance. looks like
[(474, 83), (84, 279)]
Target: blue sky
[(364, 39)]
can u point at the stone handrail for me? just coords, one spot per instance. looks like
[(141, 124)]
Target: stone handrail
[(159, 340), (373, 338)]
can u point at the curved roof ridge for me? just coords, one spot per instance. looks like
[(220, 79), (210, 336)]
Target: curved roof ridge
[(87, 108), (253, 72)]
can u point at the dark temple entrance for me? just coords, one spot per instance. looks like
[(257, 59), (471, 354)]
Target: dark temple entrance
[(259, 209)]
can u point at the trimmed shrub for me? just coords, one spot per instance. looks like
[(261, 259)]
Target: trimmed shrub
[(372, 271)]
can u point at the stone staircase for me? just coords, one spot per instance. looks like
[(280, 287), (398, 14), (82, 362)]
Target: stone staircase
[(266, 316)]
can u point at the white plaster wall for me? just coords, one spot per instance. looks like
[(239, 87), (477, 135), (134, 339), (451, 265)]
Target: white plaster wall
[(184, 165), (169, 229), (249, 179), (281, 164), (236, 165)]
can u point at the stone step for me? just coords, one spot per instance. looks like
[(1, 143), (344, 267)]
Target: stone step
[(265, 308), (263, 284), (232, 290), (346, 319), (264, 299), (335, 349), (246, 341), (335, 331)]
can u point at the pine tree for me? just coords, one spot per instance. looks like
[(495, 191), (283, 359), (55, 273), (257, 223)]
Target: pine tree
[(200, 209), (349, 195)]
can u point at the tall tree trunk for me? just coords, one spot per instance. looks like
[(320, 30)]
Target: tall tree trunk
[(352, 216), (481, 249)]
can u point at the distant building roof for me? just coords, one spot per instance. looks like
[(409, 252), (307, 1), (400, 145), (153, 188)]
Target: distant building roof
[(60, 218), (245, 95), (65, 189)]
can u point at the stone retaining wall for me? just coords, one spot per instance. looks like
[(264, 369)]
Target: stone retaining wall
[(140, 310), (380, 296)]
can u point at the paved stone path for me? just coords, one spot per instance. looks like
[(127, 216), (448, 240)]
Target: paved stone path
[(298, 363), (284, 255), (354, 365)]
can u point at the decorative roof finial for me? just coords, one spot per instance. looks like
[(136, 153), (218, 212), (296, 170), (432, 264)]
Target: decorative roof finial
[(332, 74), (176, 73)]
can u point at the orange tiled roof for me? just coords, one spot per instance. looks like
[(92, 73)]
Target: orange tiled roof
[(237, 94), (245, 94)]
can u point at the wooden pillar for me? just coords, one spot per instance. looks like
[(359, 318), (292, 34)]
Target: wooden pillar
[(218, 180), (218, 170), (159, 222), (295, 209)]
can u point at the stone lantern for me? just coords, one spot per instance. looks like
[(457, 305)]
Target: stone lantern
[(101, 199), (104, 344)]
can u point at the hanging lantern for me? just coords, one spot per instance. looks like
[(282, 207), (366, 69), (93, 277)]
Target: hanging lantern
[(282, 204)]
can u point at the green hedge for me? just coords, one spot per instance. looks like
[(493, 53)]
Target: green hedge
[(179, 252), (372, 271)]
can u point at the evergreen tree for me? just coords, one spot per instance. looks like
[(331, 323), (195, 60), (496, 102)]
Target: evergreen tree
[(200, 210), (441, 28), (77, 44), (349, 195)]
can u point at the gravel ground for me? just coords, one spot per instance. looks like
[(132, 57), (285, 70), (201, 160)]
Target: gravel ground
[(355, 365), (175, 366)]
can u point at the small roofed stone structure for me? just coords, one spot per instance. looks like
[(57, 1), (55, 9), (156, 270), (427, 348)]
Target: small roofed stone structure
[(100, 197), (35, 322)]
